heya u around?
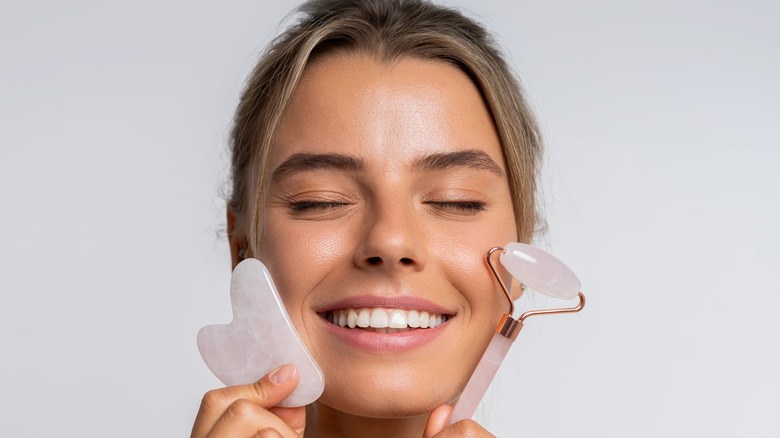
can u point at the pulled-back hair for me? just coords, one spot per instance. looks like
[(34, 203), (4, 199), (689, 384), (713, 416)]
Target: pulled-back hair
[(386, 30)]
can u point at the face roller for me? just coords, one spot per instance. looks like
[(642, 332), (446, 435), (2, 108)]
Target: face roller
[(537, 270)]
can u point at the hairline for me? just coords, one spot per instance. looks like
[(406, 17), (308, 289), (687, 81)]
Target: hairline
[(472, 51)]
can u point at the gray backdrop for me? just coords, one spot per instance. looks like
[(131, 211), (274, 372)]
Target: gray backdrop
[(661, 189)]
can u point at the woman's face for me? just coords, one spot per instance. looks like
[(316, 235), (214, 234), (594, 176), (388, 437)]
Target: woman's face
[(387, 189)]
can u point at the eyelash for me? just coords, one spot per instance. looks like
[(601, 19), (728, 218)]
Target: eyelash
[(302, 206), (462, 206)]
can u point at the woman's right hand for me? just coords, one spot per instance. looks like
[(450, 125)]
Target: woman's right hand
[(248, 411)]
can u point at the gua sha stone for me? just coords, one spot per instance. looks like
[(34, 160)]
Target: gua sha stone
[(260, 338), (537, 270)]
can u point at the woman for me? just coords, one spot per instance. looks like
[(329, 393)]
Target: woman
[(380, 149)]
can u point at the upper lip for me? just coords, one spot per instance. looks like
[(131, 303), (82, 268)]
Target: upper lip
[(405, 302)]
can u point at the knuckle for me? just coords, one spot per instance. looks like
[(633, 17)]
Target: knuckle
[(241, 409), (214, 400), (268, 433), (262, 391), (470, 429)]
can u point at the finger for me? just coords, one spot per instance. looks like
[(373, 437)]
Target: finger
[(266, 392), (461, 429), (268, 433), (245, 419), (437, 420), (293, 417)]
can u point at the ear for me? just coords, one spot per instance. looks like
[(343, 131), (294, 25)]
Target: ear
[(236, 243)]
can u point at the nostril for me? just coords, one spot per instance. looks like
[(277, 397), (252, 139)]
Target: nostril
[(406, 261), (374, 260)]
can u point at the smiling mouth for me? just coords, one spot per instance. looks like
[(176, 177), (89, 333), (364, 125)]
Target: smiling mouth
[(383, 320)]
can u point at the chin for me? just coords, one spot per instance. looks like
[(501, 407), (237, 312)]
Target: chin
[(392, 390), (395, 406)]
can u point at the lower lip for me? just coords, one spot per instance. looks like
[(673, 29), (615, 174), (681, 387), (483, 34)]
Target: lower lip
[(376, 341)]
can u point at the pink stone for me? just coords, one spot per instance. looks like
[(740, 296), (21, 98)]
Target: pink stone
[(540, 271), (480, 381), (260, 338)]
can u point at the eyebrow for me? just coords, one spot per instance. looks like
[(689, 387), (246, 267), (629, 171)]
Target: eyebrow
[(443, 160), (469, 158), (302, 162)]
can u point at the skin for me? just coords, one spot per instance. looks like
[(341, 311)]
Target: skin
[(394, 224)]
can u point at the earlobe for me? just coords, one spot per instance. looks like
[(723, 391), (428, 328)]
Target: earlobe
[(237, 248), (516, 289)]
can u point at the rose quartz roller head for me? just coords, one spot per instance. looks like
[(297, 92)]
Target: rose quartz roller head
[(260, 338), (537, 270)]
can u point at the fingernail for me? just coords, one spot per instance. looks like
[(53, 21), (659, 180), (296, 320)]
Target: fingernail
[(282, 374)]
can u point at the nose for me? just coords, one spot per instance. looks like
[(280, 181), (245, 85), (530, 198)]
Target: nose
[(392, 241)]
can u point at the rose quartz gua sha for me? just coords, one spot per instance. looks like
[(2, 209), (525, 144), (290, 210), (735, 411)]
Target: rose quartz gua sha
[(260, 338), (537, 270)]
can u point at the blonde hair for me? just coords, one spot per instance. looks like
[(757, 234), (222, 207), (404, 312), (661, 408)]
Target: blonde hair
[(386, 30)]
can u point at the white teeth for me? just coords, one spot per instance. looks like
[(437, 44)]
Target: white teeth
[(397, 319), (384, 320), (423, 319), (363, 318), (379, 319), (413, 318)]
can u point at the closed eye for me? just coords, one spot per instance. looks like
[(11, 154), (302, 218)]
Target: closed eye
[(303, 206), (471, 207)]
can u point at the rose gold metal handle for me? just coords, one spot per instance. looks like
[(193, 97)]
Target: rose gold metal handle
[(574, 309), (510, 327), (498, 279)]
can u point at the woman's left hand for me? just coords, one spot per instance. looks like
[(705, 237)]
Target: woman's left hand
[(464, 428)]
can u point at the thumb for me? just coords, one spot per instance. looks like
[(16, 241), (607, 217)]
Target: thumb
[(273, 387), (265, 393), (437, 420)]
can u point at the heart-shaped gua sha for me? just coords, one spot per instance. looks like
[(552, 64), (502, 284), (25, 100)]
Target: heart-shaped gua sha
[(260, 338)]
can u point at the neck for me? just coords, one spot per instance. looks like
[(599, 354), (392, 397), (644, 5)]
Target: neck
[(325, 422)]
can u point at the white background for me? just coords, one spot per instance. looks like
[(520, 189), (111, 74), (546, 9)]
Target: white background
[(661, 186)]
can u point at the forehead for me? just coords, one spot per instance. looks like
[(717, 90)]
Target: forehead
[(384, 112)]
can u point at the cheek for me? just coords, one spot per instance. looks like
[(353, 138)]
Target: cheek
[(463, 259), (299, 258)]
